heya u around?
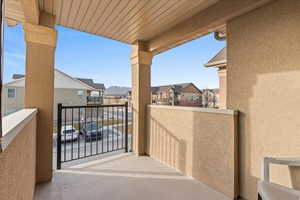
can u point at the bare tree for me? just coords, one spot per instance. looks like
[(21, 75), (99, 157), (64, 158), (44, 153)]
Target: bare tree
[(209, 97), (205, 98), (174, 95)]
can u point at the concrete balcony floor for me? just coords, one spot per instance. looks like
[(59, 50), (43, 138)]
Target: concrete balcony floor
[(123, 176)]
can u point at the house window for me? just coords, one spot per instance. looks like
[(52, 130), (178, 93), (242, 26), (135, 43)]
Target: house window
[(11, 92), (12, 110), (80, 93)]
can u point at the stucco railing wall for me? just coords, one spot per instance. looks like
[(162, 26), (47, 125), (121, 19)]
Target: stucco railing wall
[(201, 143), (18, 155)]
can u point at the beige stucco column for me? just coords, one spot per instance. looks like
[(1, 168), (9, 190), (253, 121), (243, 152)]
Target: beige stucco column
[(39, 88), (141, 94), (223, 87)]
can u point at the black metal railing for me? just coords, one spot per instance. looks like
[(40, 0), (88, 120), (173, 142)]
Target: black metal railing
[(84, 131)]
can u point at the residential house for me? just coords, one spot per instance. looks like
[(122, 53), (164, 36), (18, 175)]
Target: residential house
[(94, 96), (210, 98), (67, 90), (184, 94), (219, 61)]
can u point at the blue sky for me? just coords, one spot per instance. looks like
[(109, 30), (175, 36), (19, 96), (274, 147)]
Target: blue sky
[(84, 55)]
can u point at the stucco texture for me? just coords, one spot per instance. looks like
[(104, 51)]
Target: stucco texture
[(222, 88), (18, 164), (263, 70), (200, 144)]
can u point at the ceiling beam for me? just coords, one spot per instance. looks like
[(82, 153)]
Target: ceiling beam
[(31, 11), (13, 13), (206, 21)]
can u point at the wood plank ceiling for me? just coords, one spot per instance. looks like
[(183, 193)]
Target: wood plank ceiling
[(13, 12), (122, 20)]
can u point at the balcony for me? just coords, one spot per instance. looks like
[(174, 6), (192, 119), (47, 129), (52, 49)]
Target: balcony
[(123, 176), (175, 159), (218, 148)]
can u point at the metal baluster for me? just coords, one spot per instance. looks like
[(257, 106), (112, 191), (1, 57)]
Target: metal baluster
[(72, 128), (85, 130), (123, 126), (78, 138), (117, 128), (107, 132), (58, 153), (126, 127), (65, 142), (112, 128), (102, 133), (131, 133), (91, 136), (97, 130)]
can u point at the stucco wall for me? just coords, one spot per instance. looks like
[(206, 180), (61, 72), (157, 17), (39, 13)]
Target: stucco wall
[(222, 88), (263, 77), (199, 143), (18, 164)]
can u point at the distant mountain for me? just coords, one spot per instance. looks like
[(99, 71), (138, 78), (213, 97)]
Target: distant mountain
[(117, 91)]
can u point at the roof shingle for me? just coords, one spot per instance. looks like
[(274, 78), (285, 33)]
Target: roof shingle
[(219, 59), (18, 76), (177, 87), (90, 82)]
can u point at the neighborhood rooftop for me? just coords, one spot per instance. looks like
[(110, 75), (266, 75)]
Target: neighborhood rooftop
[(87, 81), (178, 87), (18, 76), (90, 82), (218, 60)]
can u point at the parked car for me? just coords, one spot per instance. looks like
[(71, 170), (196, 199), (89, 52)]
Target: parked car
[(91, 131), (69, 133)]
